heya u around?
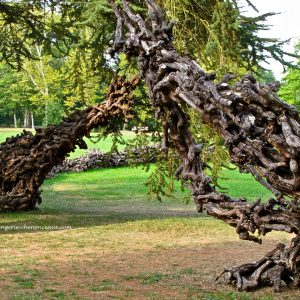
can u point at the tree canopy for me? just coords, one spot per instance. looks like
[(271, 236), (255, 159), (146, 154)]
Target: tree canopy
[(70, 41), (215, 32)]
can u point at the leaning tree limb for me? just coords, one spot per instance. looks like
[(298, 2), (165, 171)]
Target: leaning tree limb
[(25, 160), (261, 132)]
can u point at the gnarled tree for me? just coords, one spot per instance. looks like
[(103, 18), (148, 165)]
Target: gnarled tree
[(261, 132)]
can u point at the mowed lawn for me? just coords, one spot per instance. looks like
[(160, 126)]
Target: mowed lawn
[(112, 242)]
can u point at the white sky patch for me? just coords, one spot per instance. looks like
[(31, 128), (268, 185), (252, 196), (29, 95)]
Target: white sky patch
[(285, 25)]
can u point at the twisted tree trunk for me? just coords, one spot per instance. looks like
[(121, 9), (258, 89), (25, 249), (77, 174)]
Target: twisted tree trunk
[(261, 132), (25, 160)]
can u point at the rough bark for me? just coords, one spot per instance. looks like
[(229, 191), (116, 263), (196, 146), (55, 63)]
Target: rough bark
[(261, 132), (25, 160)]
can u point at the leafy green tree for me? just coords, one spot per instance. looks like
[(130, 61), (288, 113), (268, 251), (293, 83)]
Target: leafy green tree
[(82, 86), (46, 80), (15, 93), (290, 89), (26, 23), (216, 32)]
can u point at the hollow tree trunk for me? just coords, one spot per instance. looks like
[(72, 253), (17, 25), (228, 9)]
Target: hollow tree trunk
[(261, 132), (25, 160)]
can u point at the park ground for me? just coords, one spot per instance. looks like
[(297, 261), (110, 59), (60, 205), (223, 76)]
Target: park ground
[(112, 242)]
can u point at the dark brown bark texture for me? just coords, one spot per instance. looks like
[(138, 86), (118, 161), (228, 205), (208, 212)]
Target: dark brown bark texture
[(261, 132), (25, 160)]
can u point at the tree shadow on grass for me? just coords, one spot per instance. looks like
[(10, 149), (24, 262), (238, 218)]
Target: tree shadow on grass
[(82, 213)]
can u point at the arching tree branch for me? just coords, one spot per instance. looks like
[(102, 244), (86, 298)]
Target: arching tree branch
[(25, 160)]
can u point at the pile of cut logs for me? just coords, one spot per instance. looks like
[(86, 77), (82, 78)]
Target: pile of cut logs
[(96, 159)]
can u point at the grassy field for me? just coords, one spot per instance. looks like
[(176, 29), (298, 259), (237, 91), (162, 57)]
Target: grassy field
[(111, 242)]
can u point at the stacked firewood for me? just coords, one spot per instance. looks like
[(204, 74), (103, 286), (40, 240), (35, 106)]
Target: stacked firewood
[(96, 159)]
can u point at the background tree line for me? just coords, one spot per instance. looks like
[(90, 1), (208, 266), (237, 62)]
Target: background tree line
[(54, 54)]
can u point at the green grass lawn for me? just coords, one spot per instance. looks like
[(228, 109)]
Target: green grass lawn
[(112, 242), (119, 244), (8, 132)]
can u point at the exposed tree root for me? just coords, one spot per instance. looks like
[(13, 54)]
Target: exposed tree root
[(277, 268)]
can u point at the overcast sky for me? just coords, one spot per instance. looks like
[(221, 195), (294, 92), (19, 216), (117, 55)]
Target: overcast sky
[(284, 26)]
